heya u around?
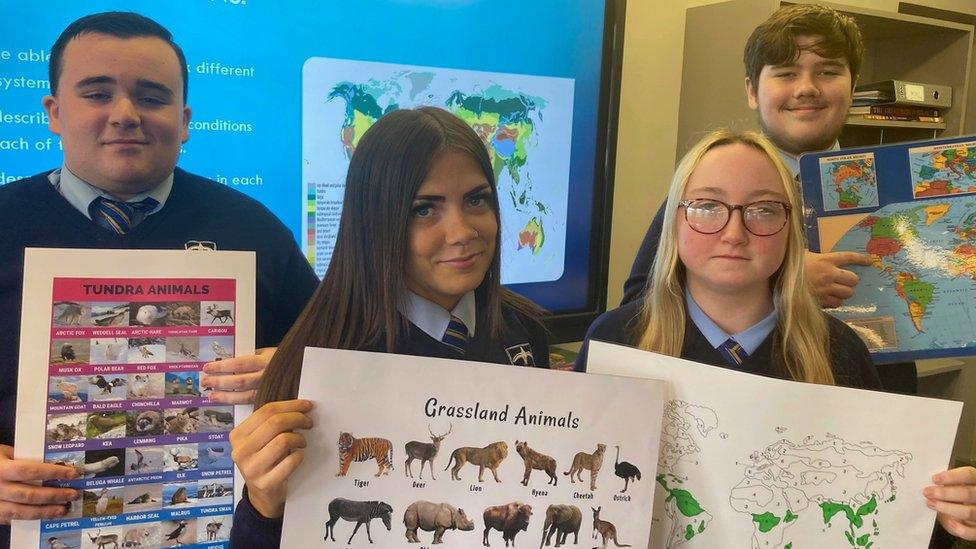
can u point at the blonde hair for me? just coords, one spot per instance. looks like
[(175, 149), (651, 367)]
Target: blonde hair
[(801, 344)]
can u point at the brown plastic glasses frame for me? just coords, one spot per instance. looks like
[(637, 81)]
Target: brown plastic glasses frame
[(731, 208)]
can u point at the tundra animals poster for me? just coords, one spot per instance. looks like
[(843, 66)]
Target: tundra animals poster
[(109, 383), (412, 452)]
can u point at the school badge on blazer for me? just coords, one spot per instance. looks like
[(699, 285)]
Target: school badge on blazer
[(520, 355), (200, 245)]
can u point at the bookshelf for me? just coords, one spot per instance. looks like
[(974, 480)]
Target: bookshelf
[(898, 46)]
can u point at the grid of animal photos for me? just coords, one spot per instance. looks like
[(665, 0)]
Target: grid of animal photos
[(125, 408)]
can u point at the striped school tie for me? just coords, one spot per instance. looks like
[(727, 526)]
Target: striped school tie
[(733, 353), (456, 335), (117, 216)]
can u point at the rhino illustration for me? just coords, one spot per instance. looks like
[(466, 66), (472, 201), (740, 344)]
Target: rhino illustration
[(434, 517)]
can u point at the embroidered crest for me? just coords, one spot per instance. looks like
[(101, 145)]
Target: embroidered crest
[(200, 245), (520, 355)]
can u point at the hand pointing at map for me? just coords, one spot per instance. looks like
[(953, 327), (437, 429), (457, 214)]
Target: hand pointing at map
[(831, 283)]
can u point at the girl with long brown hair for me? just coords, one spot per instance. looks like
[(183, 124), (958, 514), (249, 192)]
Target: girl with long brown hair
[(415, 270)]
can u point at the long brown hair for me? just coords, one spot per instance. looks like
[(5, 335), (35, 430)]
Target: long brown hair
[(355, 306), (802, 345)]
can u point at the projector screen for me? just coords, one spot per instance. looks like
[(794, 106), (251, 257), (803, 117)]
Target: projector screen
[(281, 92)]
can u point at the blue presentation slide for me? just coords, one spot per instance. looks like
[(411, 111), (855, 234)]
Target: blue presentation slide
[(281, 92)]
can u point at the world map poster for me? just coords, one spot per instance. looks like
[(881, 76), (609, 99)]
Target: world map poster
[(742, 465), (526, 123), (912, 209)]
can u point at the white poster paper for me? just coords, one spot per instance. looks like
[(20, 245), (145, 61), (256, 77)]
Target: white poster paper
[(372, 408), (112, 343), (750, 461)]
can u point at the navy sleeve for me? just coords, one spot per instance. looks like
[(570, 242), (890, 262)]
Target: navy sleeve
[(634, 286), (849, 357), (539, 339), (251, 529), (611, 326), (285, 284)]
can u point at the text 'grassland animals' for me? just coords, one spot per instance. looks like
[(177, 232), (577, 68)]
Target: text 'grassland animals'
[(510, 519), (605, 528), (536, 460), (625, 470), (591, 462), (490, 457), (561, 520), (361, 449), (424, 451), (436, 518), (360, 512)]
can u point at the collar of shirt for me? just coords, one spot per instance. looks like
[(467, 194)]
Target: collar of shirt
[(749, 339), (81, 194), (793, 162), (432, 318)]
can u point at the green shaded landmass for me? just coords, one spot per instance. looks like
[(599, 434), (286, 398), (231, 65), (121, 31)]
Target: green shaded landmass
[(790, 517), (899, 225), (855, 520), (766, 521), (848, 197)]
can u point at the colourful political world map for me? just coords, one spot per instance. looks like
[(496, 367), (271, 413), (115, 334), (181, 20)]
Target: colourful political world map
[(524, 121), (943, 170), (919, 294), (848, 182)]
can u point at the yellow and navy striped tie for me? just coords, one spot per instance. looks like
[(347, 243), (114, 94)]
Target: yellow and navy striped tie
[(456, 335), (118, 216), (733, 352)]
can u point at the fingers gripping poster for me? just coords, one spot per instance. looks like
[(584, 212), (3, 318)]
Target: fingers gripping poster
[(116, 341), (413, 451)]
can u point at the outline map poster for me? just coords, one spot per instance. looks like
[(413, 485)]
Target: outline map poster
[(119, 356), (547, 442), (752, 461), (912, 208), (526, 123)]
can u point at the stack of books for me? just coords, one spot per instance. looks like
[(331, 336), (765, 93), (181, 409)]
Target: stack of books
[(906, 113)]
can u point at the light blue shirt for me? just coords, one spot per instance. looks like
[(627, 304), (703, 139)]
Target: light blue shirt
[(81, 194), (432, 318), (749, 339)]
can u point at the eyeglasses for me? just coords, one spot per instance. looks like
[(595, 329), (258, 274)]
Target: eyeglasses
[(709, 216)]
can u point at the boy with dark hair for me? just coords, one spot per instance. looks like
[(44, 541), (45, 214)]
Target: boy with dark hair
[(119, 24), (118, 101), (801, 67)]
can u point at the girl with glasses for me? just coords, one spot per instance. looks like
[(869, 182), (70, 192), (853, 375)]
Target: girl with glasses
[(415, 271), (727, 284), (727, 288)]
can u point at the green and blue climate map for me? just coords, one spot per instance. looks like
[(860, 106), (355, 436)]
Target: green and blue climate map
[(524, 121)]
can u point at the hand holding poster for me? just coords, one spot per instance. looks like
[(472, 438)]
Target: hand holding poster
[(754, 461), (487, 452), (117, 339)]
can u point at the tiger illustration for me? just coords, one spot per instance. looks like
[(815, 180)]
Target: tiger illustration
[(361, 449)]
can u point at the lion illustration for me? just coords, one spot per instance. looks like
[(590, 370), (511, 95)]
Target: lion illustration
[(592, 462), (490, 456), (535, 460)]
